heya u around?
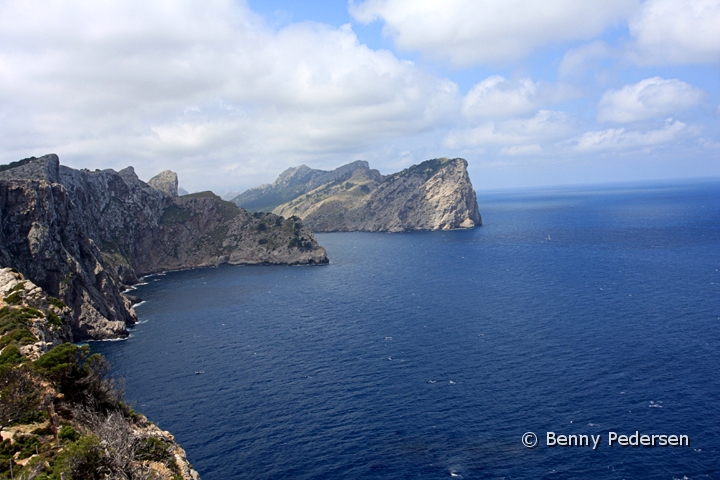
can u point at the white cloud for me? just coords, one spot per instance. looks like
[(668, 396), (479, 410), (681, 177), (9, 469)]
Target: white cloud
[(497, 97), (677, 32), (545, 126), (577, 60), (470, 32), (184, 84), (517, 150), (621, 139), (649, 98)]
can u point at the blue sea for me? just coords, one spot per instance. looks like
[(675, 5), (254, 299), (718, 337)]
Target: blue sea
[(429, 355)]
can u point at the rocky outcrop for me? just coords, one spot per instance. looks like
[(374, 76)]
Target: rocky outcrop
[(76, 395), (434, 195), (45, 321), (84, 236), (165, 181)]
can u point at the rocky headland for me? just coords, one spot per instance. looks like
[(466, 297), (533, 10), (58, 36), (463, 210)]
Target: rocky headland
[(434, 195), (61, 415), (84, 236)]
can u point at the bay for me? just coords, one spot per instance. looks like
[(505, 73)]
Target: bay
[(429, 354)]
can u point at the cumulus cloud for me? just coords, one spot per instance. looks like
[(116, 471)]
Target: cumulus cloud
[(649, 98), (545, 126), (619, 139), (577, 60), (677, 32), (498, 97), (517, 150), (471, 32), (184, 85)]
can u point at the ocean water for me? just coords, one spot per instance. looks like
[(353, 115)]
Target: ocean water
[(429, 355)]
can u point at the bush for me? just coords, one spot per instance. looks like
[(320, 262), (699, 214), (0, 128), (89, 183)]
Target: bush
[(68, 433), (153, 449), (53, 319), (10, 356), (83, 460), (56, 302), (13, 299), (26, 444)]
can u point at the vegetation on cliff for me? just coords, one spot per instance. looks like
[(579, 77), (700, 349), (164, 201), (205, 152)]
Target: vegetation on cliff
[(61, 414)]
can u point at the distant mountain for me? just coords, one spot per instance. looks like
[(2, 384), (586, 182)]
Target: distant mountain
[(434, 195), (292, 183)]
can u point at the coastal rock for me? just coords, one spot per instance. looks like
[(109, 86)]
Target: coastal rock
[(31, 325), (46, 327), (84, 236), (434, 195), (165, 181)]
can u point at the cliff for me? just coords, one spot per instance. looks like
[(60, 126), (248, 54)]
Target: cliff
[(84, 236), (61, 416), (434, 195)]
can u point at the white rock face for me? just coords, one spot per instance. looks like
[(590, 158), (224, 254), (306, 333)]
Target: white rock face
[(434, 195), (166, 182)]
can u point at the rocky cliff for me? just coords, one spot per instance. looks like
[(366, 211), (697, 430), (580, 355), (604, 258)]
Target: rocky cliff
[(165, 181), (61, 416), (434, 195), (83, 236)]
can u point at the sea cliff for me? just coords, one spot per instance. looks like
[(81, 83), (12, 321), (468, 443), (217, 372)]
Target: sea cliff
[(434, 195), (61, 415), (84, 236)]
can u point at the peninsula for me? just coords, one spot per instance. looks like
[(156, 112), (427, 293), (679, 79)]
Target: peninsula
[(434, 195)]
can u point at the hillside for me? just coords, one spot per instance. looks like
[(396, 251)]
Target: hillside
[(434, 195)]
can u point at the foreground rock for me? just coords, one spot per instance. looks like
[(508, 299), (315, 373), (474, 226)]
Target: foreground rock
[(61, 415), (434, 195), (84, 236)]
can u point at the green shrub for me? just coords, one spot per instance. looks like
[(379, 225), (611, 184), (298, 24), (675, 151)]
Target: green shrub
[(13, 299), (56, 302), (53, 318), (26, 444), (68, 433), (153, 449), (83, 460), (10, 356)]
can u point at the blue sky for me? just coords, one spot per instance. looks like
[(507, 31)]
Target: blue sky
[(231, 93)]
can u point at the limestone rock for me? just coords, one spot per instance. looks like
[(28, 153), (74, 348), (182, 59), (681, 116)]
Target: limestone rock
[(50, 325), (84, 236), (165, 181), (434, 195)]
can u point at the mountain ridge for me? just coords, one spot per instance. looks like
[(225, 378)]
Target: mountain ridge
[(434, 195)]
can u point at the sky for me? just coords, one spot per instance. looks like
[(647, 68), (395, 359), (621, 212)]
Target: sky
[(229, 93)]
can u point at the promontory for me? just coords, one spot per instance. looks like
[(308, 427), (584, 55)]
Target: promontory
[(434, 195), (84, 236)]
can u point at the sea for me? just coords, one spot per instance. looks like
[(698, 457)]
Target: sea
[(571, 314)]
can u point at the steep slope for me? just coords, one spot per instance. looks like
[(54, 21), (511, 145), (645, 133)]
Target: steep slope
[(82, 236), (61, 416), (292, 183), (434, 195)]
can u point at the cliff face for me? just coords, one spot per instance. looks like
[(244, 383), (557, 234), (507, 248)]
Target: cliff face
[(48, 383), (165, 181), (82, 236), (434, 195)]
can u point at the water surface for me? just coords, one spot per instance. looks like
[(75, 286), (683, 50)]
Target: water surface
[(428, 355)]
